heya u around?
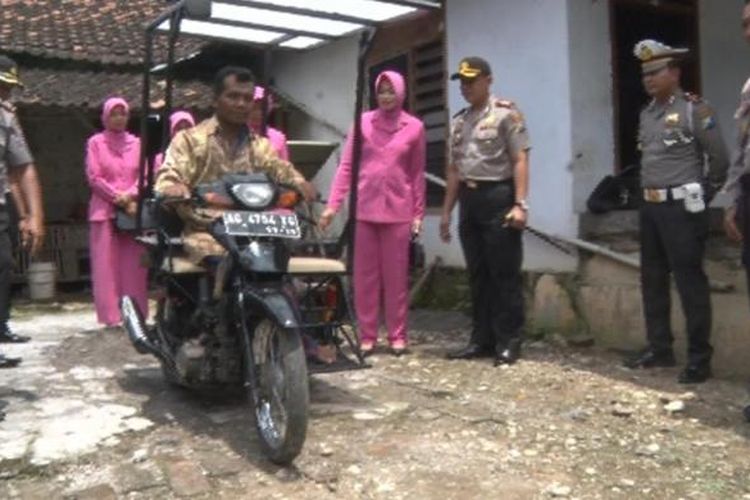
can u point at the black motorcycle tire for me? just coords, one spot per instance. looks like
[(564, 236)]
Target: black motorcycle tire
[(296, 398)]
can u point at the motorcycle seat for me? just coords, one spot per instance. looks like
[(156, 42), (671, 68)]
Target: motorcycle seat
[(181, 265), (315, 265)]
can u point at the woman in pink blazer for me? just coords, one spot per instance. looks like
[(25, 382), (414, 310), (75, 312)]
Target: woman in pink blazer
[(276, 137), (112, 171), (179, 120), (390, 208)]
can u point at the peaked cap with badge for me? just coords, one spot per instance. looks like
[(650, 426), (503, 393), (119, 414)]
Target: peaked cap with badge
[(655, 55), (9, 71), (472, 67)]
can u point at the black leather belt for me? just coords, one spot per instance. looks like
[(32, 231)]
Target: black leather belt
[(477, 184)]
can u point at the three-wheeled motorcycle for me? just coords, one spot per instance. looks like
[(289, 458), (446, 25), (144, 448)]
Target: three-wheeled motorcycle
[(247, 316)]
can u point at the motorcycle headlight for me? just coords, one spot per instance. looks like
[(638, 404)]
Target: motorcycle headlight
[(254, 195)]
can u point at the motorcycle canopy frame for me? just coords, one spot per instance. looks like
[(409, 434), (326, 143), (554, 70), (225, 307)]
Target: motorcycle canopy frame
[(268, 25)]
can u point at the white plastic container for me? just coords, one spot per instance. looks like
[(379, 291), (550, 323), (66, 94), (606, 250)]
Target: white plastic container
[(41, 279)]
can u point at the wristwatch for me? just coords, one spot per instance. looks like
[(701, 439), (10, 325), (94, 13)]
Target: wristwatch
[(522, 205)]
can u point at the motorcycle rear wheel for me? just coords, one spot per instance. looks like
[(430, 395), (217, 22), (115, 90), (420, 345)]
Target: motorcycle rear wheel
[(281, 394)]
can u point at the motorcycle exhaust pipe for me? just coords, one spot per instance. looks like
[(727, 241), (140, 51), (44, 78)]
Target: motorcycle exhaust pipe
[(132, 320)]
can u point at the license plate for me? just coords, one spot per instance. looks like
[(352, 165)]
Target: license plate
[(262, 224)]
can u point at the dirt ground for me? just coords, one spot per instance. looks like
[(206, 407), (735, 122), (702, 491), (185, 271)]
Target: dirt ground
[(89, 418)]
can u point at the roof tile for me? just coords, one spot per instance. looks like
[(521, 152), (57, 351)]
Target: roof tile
[(44, 86), (101, 31)]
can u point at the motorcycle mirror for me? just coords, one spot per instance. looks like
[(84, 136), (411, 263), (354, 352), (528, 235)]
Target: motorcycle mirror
[(198, 9)]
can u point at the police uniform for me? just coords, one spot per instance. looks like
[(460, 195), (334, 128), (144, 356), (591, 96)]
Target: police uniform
[(484, 147), (738, 182), (14, 153), (677, 138)]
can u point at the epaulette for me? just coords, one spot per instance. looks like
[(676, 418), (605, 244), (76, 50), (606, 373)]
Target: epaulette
[(502, 103), (460, 112), (690, 97)]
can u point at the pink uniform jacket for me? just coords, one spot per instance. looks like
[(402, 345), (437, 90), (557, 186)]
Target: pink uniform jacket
[(391, 178), (276, 137), (111, 167), (174, 119)]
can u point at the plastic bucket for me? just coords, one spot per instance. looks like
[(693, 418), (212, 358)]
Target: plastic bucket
[(41, 278)]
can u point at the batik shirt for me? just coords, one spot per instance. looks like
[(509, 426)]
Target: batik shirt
[(201, 155)]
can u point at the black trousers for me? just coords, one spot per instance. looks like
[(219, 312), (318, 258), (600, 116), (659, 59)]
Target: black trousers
[(493, 256), (743, 223), (673, 242), (6, 265)]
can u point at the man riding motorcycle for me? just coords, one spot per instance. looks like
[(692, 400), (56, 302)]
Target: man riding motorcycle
[(215, 147)]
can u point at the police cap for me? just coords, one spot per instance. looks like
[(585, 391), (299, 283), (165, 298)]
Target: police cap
[(472, 67), (656, 55), (9, 71)]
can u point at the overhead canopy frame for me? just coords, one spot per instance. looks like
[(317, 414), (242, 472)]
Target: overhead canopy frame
[(272, 25), (292, 24)]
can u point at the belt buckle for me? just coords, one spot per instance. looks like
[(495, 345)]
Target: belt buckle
[(652, 195), (471, 184)]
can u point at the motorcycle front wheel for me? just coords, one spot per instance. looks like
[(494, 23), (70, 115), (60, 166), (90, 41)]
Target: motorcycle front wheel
[(278, 390)]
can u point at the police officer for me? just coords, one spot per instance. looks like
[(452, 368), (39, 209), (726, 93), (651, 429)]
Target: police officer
[(488, 174), (678, 134), (737, 214), (17, 175)]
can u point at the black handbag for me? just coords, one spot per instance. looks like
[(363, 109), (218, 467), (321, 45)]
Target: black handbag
[(416, 254), (127, 223), (616, 192)]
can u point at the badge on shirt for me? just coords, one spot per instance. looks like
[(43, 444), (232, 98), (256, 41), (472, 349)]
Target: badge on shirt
[(672, 119), (488, 122), (708, 123)]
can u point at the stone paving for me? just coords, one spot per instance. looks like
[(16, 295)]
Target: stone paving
[(88, 418)]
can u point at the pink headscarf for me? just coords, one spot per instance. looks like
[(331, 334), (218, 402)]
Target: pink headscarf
[(117, 141), (177, 117), (389, 120), (258, 96)]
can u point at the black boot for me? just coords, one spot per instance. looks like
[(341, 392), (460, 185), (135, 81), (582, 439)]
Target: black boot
[(9, 362), (509, 354), (8, 337), (651, 359), (471, 351), (695, 373)]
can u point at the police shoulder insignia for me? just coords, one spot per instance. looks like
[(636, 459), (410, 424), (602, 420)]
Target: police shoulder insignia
[(460, 112), (689, 96), (708, 122), (516, 116)]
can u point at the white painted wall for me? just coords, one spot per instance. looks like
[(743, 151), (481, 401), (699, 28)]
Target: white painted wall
[(591, 97), (324, 80), (553, 58), (725, 62), (527, 45)]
